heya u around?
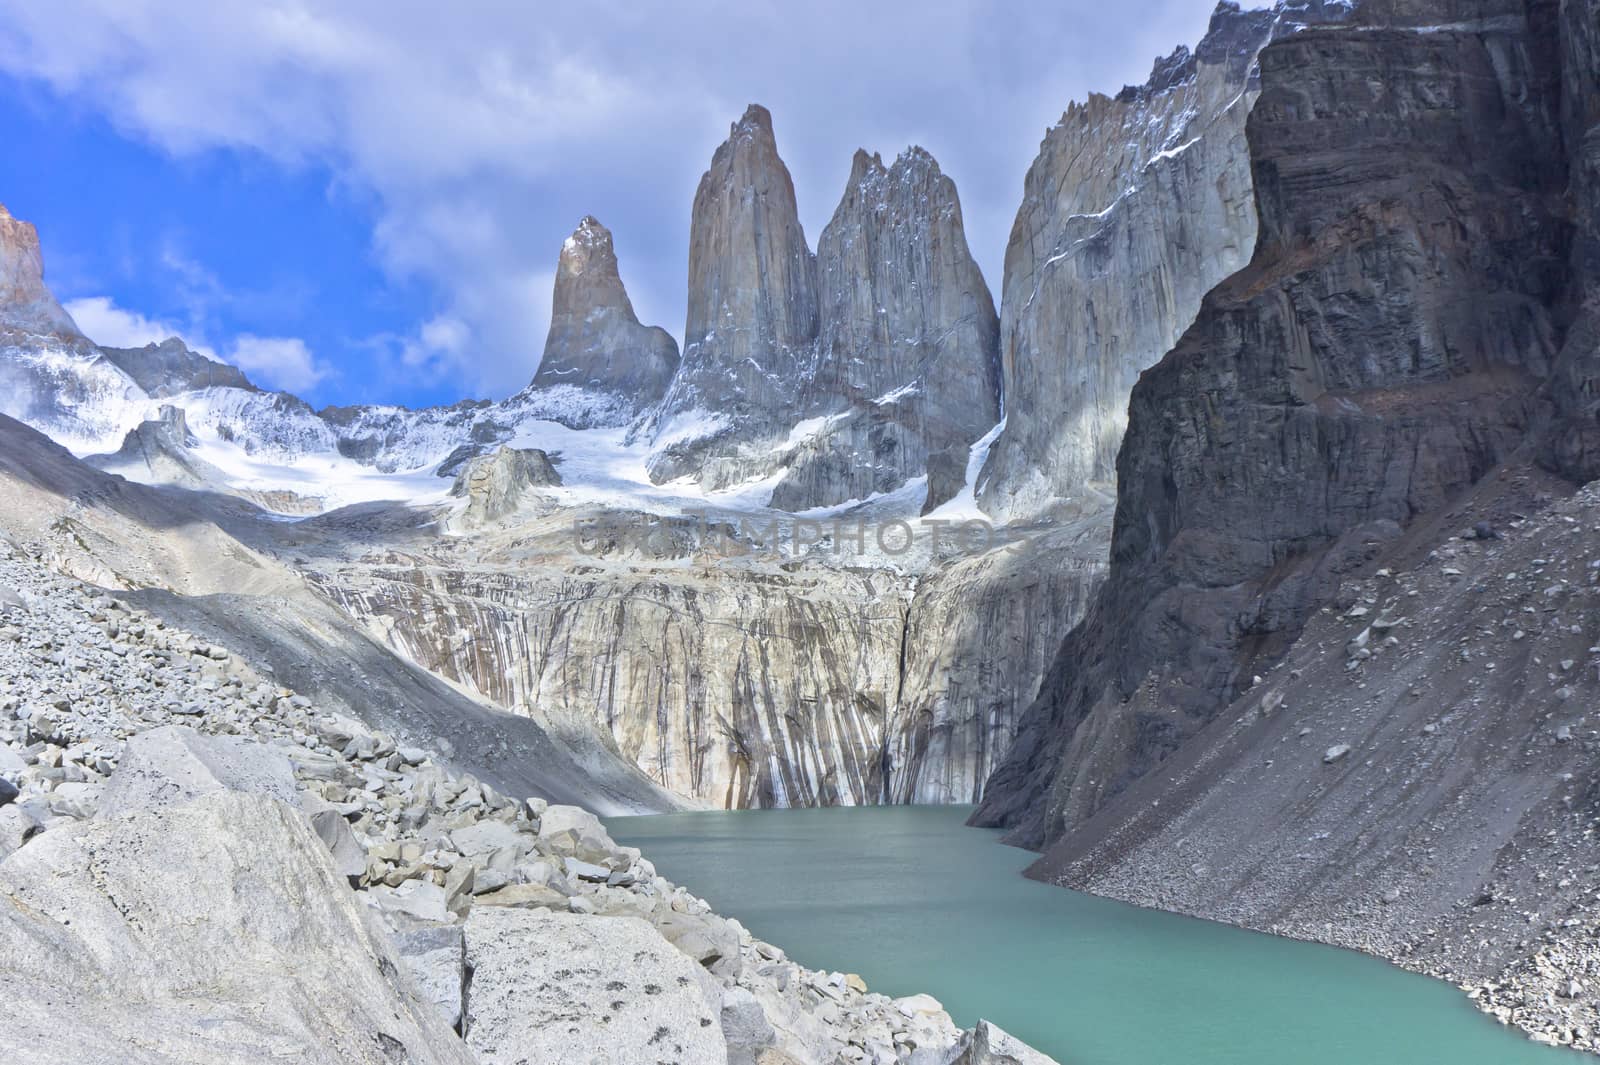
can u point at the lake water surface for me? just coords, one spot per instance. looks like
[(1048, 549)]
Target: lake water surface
[(912, 900)]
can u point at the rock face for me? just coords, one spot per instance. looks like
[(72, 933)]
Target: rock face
[(596, 342), (849, 372), (740, 681), (494, 486), (1357, 375), (905, 366), (106, 961), (26, 305), (545, 987), (161, 452), (1135, 207), (169, 368), (752, 288)]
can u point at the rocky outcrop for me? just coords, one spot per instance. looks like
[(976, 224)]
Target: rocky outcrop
[(596, 342), (26, 305), (845, 374), (170, 368), (1135, 207), (494, 486), (104, 949), (161, 452), (1380, 354)]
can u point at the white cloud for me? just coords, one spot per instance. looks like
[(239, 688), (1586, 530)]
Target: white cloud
[(108, 325), (278, 362), (485, 131)]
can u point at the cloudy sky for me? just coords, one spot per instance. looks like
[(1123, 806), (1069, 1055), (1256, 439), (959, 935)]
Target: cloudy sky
[(363, 201)]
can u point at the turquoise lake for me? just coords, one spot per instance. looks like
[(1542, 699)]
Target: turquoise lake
[(913, 900)]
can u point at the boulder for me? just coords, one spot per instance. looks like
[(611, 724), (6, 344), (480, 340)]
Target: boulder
[(707, 939), (436, 958), (575, 832), (175, 764), (213, 933), (745, 1027), (349, 859), (554, 987), (988, 1044)]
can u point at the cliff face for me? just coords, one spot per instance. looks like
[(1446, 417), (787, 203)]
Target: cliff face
[(595, 341), (904, 361), (752, 291), (733, 680), (1135, 207), (1380, 354), (26, 305), (848, 372)]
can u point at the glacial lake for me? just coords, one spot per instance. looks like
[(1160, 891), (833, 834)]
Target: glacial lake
[(913, 900)]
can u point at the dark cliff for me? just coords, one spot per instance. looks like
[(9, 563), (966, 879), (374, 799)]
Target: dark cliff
[(1392, 340)]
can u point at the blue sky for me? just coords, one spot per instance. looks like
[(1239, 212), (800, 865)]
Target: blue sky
[(366, 206)]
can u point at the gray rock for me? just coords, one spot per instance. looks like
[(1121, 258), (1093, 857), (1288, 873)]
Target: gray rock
[(707, 939), (494, 486), (745, 1027), (436, 958), (1337, 753), (17, 826), (605, 990), (349, 859), (988, 1044), (102, 954), (174, 764), (595, 340)]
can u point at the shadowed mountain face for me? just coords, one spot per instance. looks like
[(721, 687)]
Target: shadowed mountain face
[(1385, 349)]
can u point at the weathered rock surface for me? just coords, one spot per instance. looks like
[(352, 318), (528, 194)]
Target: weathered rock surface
[(1359, 373), (549, 987), (1135, 207), (596, 342), (494, 486), (105, 961), (170, 368), (26, 305), (174, 764)]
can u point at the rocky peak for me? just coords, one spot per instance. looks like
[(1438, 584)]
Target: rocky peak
[(26, 305), (909, 334), (596, 342), (752, 312), (171, 367)]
